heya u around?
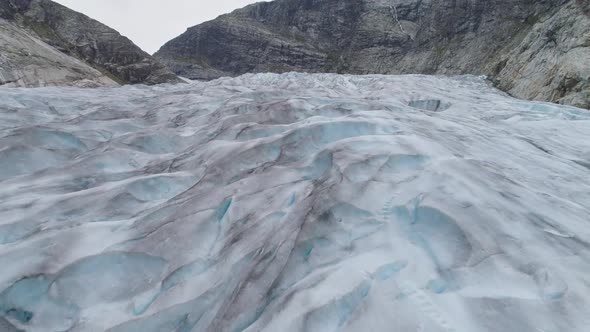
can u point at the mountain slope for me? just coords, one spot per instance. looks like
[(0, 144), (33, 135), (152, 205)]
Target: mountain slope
[(25, 60), (531, 49), (45, 43), (293, 202)]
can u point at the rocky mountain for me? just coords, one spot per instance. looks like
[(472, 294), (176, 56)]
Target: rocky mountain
[(531, 49), (44, 43)]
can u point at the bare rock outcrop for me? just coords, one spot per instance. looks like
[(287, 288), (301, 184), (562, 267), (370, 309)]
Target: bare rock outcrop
[(44, 43), (531, 49)]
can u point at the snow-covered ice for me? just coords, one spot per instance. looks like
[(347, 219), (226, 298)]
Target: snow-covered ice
[(293, 202)]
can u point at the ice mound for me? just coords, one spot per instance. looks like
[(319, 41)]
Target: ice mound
[(293, 202)]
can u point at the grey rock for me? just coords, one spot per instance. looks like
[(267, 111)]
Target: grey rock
[(27, 61), (44, 43), (552, 62), (531, 49)]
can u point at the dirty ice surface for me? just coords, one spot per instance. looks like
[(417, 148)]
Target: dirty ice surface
[(293, 202)]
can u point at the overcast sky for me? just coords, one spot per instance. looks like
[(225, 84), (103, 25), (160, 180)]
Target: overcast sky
[(151, 23)]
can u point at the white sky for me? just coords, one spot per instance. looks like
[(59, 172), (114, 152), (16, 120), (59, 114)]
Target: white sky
[(151, 23)]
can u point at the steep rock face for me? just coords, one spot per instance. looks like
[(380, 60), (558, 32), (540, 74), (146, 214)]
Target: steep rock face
[(25, 60), (531, 49), (35, 33), (553, 60)]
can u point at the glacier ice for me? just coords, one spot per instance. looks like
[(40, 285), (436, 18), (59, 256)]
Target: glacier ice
[(293, 202)]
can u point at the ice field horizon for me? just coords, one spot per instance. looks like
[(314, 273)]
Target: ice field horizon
[(293, 202)]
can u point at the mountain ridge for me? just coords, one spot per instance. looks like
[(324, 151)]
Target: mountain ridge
[(79, 38), (537, 50)]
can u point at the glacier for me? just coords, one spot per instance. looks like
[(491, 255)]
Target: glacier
[(293, 202)]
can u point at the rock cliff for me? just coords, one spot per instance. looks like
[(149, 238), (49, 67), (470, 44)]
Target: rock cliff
[(44, 43), (537, 50)]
